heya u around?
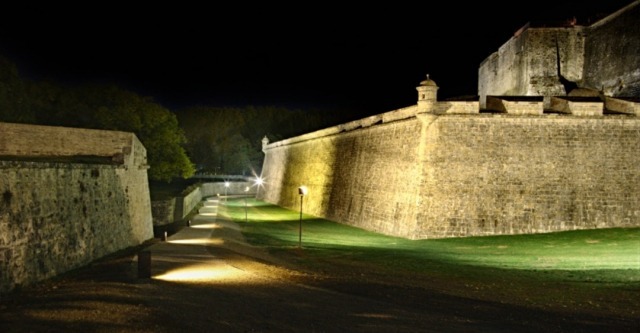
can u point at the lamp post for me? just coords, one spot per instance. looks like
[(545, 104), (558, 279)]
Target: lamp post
[(226, 187), (302, 191), (246, 191)]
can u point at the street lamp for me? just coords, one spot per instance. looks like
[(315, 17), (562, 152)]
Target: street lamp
[(226, 187), (302, 191), (246, 191), (258, 184)]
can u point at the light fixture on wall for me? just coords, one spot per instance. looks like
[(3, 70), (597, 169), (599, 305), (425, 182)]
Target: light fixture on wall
[(302, 191)]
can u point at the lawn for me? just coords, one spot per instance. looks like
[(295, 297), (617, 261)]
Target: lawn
[(607, 256)]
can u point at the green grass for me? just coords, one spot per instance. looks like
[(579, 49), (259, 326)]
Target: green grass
[(602, 255)]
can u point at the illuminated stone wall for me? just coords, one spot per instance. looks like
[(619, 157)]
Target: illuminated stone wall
[(428, 175), (57, 216), (366, 177), (498, 174)]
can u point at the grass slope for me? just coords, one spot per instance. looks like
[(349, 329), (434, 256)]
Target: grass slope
[(583, 268)]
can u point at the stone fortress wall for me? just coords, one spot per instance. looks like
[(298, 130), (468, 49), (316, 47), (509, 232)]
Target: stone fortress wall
[(602, 59), (68, 196), (526, 157), (453, 168)]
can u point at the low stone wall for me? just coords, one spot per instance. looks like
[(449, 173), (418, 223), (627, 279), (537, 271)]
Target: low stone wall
[(175, 209), (162, 211)]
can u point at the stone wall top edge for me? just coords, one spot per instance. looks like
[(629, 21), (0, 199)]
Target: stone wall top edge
[(54, 165), (42, 140), (79, 129), (349, 126), (526, 29), (547, 116), (356, 125)]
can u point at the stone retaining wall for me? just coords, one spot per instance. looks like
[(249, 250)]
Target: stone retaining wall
[(446, 175), (57, 216)]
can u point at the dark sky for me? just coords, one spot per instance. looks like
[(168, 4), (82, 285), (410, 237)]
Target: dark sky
[(362, 58)]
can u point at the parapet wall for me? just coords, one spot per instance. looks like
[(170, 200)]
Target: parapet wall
[(57, 216), (527, 64), (42, 141), (431, 175)]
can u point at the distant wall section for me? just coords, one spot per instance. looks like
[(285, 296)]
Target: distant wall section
[(177, 208)]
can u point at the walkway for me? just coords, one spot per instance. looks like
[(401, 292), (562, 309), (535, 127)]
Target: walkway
[(201, 251)]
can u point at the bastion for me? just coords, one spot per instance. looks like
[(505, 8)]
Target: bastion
[(68, 196), (441, 169)]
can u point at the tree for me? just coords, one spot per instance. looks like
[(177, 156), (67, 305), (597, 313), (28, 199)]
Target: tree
[(216, 142), (229, 140), (156, 127), (112, 108)]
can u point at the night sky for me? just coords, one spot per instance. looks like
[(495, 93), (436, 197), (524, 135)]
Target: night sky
[(362, 59)]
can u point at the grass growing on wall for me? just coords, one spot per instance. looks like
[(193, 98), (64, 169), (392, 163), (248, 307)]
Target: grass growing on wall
[(610, 256)]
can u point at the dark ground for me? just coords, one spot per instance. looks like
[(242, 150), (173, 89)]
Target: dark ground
[(262, 293)]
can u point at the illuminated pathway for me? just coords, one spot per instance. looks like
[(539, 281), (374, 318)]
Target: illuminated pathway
[(208, 272), (190, 255)]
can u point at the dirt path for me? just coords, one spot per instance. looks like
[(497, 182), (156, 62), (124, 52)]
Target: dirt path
[(207, 279)]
